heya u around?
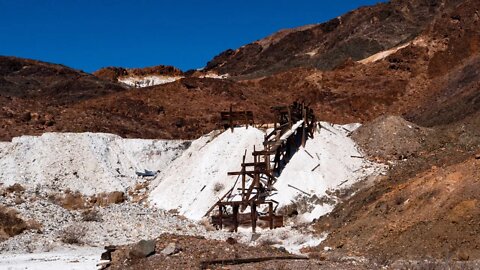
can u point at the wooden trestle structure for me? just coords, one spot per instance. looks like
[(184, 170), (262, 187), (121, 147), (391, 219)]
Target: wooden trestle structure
[(293, 125)]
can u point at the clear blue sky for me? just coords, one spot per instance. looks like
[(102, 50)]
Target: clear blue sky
[(91, 34)]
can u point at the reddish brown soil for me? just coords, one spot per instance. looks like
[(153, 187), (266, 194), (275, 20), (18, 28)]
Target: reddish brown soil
[(411, 213), (432, 214), (10, 223)]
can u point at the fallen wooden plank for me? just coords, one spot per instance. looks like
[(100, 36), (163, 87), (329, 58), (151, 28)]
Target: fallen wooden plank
[(343, 182), (308, 153), (205, 264), (299, 190)]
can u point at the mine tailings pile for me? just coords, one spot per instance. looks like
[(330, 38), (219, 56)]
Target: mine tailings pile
[(293, 125)]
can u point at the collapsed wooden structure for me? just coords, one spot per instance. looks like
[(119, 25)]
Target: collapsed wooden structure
[(293, 125)]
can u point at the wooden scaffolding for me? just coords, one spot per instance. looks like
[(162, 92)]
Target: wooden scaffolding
[(293, 125)]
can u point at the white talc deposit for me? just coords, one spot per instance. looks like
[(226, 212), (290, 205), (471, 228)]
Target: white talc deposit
[(198, 179), (329, 161), (86, 162), (192, 175), (146, 81)]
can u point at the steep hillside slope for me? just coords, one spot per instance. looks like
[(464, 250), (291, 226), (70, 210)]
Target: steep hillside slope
[(432, 214), (355, 35), (453, 71)]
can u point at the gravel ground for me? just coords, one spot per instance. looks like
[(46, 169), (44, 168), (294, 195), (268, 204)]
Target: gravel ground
[(125, 223)]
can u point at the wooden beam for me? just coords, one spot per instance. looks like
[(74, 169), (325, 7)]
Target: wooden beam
[(249, 172), (236, 261), (264, 152)]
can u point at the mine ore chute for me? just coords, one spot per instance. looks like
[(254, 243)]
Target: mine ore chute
[(293, 125)]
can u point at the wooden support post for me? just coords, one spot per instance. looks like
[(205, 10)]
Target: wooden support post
[(276, 162), (246, 120), (231, 117), (253, 214), (256, 179), (220, 216), (290, 124), (243, 176), (268, 169), (235, 217), (304, 125), (270, 214)]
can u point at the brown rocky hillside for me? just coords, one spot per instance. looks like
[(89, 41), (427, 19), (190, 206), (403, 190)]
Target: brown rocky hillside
[(424, 80), (355, 35)]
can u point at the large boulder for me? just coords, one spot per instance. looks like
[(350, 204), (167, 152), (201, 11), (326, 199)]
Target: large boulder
[(142, 249)]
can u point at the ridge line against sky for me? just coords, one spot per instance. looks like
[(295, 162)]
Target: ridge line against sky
[(89, 34)]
